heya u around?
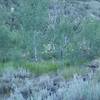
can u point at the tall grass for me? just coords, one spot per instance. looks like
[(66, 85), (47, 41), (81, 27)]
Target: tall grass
[(38, 68)]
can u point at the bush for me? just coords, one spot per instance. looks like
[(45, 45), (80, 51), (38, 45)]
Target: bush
[(80, 90), (5, 43), (85, 45)]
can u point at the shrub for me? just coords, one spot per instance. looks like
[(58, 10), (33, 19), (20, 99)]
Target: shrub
[(84, 45), (80, 90)]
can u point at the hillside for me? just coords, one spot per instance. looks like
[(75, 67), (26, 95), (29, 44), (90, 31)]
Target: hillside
[(76, 10), (49, 49)]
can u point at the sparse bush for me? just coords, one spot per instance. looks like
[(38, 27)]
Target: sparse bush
[(80, 90), (24, 85)]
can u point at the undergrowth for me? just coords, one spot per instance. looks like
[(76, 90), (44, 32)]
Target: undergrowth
[(44, 67)]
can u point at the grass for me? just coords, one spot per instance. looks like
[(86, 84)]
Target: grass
[(69, 72), (39, 68)]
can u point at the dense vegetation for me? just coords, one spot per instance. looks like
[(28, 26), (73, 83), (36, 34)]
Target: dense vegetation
[(40, 36), (27, 33)]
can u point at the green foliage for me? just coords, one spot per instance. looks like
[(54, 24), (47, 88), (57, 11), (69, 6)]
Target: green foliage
[(29, 40), (91, 33), (69, 72), (37, 68), (26, 33), (5, 42), (84, 45), (41, 68)]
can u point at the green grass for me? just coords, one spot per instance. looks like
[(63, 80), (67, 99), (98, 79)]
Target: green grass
[(69, 72), (39, 68)]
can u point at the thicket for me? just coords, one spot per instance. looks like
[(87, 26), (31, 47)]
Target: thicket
[(25, 33)]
